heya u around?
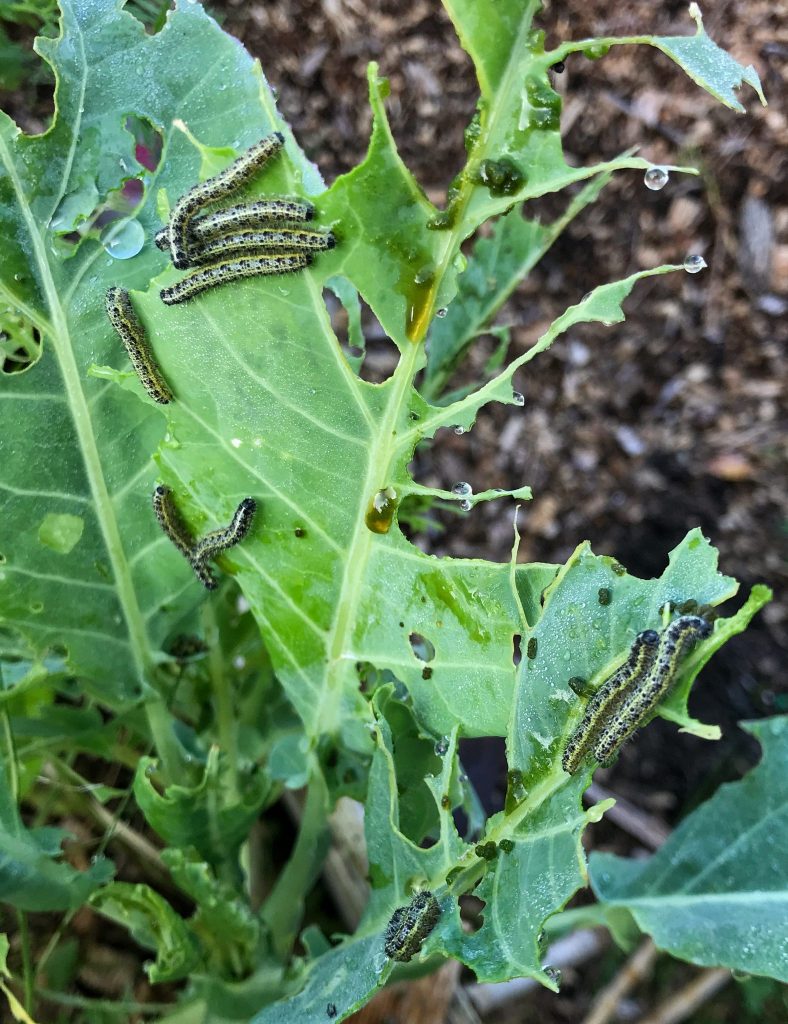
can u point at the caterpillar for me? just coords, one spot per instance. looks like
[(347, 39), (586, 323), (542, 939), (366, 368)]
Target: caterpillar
[(263, 243), (219, 540), (674, 643), (409, 927), (214, 189), (261, 214), (232, 270), (173, 525), (641, 656), (124, 319)]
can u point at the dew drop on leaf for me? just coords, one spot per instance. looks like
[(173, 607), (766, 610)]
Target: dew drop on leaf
[(694, 264), (518, 398), (459, 431), (442, 746), (381, 511), (656, 178), (123, 242), (442, 312), (462, 489), (465, 505)]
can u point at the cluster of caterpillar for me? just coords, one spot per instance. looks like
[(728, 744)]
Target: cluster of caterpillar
[(249, 240), (198, 553), (409, 926), (629, 697)]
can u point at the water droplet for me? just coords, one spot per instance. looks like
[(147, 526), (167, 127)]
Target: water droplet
[(442, 746), (518, 398), (459, 431), (380, 513), (442, 312), (656, 178), (553, 974), (235, 442), (425, 274), (462, 489), (123, 242), (465, 505), (694, 264), (150, 770)]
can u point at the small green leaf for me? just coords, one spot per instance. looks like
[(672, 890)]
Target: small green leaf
[(706, 63), (227, 928), (208, 815), (716, 893), (154, 924), (709, 65)]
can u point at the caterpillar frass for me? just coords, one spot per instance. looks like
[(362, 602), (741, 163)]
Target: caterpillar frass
[(131, 332), (409, 927), (265, 213), (232, 270), (178, 532), (608, 697), (214, 189), (263, 243), (214, 543), (674, 643)]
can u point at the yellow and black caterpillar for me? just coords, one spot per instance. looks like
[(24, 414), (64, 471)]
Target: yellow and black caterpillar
[(631, 694), (198, 553), (252, 239)]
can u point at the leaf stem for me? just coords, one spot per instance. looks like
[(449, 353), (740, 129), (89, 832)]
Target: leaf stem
[(222, 693), (27, 965)]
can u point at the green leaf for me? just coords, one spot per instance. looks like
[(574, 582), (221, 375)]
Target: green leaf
[(154, 924), (210, 816), (88, 570), (579, 636), (706, 63), (716, 893), (225, 925)]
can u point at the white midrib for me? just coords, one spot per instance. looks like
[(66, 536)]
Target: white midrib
[(381, 455), (60, 339), (340, 661)]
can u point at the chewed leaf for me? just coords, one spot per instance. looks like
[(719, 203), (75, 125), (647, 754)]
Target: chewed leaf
[(699, 56), (592, 612), (709, 65)]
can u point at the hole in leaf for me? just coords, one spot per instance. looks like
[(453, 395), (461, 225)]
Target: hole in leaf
[(151, 13), (421, 647), (148, 141), (471, 911), (20, 342)]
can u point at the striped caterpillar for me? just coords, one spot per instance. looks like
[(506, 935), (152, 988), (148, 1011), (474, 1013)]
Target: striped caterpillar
[(198, 553), (232, 270), (264, 243), (219, 540), (264, 213), (409, 927), (608, 696), (674, 642), (214, 189), (124, 319)]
